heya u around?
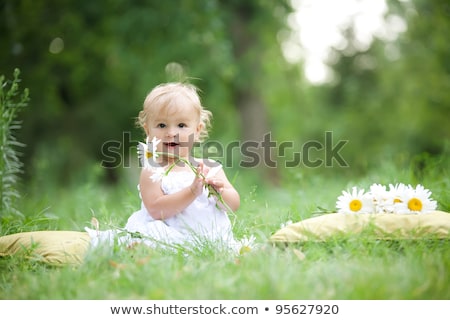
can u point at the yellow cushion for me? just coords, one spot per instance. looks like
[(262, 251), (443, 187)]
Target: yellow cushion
[(434, 225), (52, 247)]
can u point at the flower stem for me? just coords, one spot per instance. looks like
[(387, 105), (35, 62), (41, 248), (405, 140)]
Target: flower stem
[(211, 190)]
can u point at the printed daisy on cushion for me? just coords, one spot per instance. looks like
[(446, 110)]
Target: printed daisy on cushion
[(399, 199)]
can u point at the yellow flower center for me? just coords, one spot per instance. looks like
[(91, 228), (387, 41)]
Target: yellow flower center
[(244, 249), (414, 204), (355, 205), (397, 200), (149, 155)]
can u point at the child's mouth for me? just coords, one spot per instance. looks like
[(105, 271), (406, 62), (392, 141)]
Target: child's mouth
[(171, 144)]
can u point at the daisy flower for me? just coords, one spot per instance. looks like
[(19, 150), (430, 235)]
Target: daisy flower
[(418, 200), (395, 203), (247, 244), (380, 197), (355, 202), (397, 192), (147, 152), (399, 199)]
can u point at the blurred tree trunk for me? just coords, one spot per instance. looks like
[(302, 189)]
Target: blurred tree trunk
[(247, 97)]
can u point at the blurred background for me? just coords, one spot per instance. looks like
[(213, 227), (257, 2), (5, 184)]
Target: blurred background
[(374, 73)]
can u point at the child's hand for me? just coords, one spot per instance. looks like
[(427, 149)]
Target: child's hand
[(204, 176), (217, 184), (197, 185)]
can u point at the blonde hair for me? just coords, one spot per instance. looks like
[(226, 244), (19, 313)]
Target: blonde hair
[(166, 95)]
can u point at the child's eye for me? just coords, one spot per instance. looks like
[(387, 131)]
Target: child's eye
[(161, 125), (182, 125)]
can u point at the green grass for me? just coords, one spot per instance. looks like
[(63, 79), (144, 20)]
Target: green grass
[(352, 268)]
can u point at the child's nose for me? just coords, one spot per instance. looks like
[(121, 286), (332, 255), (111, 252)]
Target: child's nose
[(172, 132)]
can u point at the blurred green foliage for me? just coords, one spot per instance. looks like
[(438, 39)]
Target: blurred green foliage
[(13, 100), (89, 65), (397, 106)]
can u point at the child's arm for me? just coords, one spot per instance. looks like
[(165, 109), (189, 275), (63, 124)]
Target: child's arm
[(161, 206), (229, 194)]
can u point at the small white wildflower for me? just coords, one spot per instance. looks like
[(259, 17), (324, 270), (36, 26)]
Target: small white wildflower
[(285, 224), (247, 244)]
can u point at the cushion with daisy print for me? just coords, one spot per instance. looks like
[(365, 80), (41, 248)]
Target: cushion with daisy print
[(400, 212), (52, 247)]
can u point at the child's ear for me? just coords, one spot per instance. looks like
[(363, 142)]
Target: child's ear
[(198, 131), (147, 132)]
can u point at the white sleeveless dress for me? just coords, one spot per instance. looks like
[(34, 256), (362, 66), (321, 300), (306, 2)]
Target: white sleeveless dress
[(199, 223)]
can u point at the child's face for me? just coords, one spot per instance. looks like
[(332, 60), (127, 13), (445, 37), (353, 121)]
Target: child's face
[(178, 128)]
